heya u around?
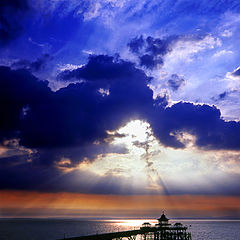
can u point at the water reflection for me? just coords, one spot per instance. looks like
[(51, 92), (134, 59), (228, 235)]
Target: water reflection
[(131, 223)]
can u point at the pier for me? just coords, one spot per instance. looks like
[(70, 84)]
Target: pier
[(161, 231)]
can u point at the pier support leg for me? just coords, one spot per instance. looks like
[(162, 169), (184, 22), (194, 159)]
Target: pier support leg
[(133, 237)]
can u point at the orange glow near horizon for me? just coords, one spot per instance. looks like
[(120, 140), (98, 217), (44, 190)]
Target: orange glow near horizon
[(26, 203)]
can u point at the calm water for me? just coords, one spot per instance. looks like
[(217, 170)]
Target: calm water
[(44, 229)]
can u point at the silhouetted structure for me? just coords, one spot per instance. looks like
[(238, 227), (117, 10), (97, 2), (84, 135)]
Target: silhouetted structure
[(163, 230), (163, 221)]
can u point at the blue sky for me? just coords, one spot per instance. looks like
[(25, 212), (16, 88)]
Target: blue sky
[(99, 94)]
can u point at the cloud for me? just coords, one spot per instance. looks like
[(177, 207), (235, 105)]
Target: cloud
[(17, 90), (136, 44), (150, 62), (79, 114), (233, 78), (74, 122), (103, 70), (151, 50), (224, 95), (187, 47), (222, 53), (175, 82), (50, 179), (76, 116), (11, 16), (226, 33), (38, 65), (202, 121)]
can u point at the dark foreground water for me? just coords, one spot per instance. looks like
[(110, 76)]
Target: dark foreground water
[(44, 229)]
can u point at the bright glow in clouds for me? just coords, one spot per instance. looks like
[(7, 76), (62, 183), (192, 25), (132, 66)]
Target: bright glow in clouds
[(135, 164), (153, 168)]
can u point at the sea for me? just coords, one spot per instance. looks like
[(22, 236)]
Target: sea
[(52, 229)]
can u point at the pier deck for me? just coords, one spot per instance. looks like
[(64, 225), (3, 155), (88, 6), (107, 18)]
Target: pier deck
[(157, 234)]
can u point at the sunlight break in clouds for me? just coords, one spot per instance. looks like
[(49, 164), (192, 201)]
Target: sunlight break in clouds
[(138, 163), (162, 170)]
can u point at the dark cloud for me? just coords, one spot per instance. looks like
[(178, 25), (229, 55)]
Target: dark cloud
[(220, 97), (151, 50), (224, 95), (17, 90), (12, 13), (102, 70), (35, 66), (80, 114), (150, 62), (136, 44), (202, 121), (76, 116), (72, 122), (158, 46), (175, 82)]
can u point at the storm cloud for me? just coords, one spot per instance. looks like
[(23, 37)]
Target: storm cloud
[(72, 123)]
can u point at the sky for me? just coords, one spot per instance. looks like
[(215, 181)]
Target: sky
[(119, 108)]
